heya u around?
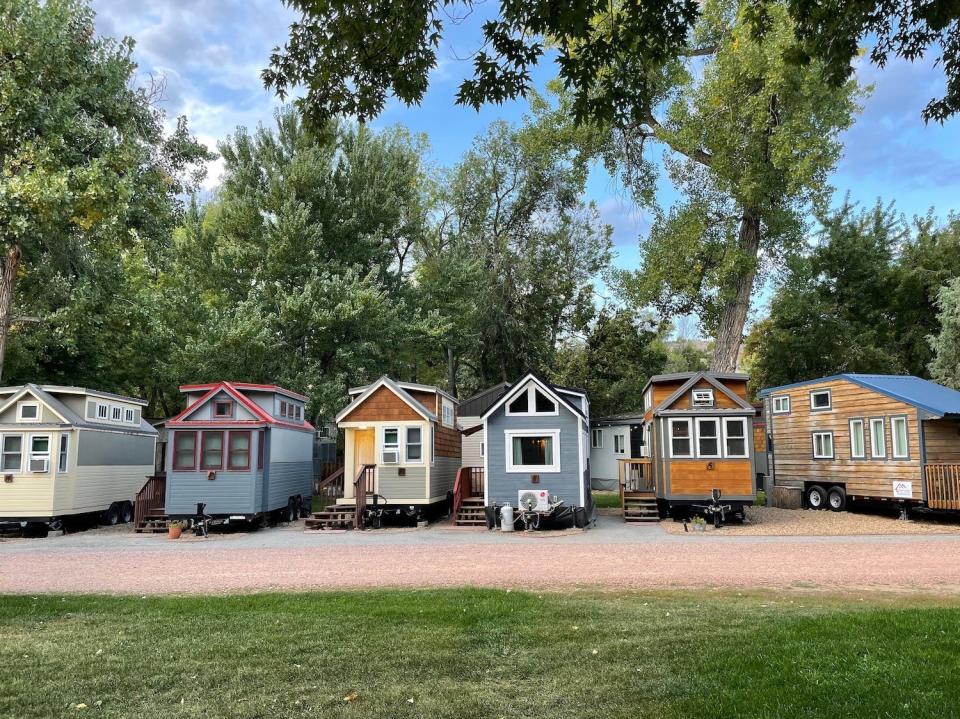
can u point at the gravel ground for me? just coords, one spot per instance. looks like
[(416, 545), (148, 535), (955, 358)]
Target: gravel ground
[(614, 556), (771, 521)]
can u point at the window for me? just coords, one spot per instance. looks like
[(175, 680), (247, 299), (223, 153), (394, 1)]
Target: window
[(391, 445), (823, 445), (103, 411), (532, 401), (184, 450), (619, 444), (543, 404), (820, 401), (223, 408), (298, 413), (519, 405), (40, 453), (12, 452), (28, 412), (260, 442), (128, 416), (857, 441), (414, 444), (283, 408), (211, 450), (703, 398), (680, 438), (596, 438), (533, 451), (878, 439), (735, 437), (708, 437), (781, 404), (898, 433), (64, 452), (116, 413), (647, 398), (238, 453), (447, 413)]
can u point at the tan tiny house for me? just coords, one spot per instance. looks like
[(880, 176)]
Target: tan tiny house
[(892, 438)]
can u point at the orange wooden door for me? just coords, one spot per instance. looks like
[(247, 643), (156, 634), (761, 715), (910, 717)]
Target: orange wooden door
[(363, 451)]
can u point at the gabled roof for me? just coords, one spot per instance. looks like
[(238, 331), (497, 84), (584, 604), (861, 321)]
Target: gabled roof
[(67, 415), (921, 393), (713, 380), (245, 386), (612, 420), (675, 376), (397, 390), (417, 387), (544, 384), (56, 406), (477, 404), (65, 389), (231, 389)]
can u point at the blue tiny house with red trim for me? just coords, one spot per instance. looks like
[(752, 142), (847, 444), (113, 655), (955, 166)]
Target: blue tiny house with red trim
[(244, 450)]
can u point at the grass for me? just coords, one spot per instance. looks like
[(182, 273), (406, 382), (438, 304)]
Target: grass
[(476, 653), (606, 500)]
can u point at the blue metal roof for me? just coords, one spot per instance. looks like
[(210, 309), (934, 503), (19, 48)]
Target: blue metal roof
[(921, 393)]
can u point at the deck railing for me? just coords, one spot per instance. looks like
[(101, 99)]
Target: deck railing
[(330, 488), (363, 485), (469, 483), (943, 485), (152, 496), (636, 475)]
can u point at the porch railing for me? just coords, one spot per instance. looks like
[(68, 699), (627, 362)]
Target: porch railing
[(363, 485), (943, 485), (151, 497), (330, 488), (469, 483), (636, 475)]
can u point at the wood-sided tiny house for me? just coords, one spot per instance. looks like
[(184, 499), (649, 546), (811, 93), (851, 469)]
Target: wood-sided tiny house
[(244, 450), (890, 438), (697, 438)]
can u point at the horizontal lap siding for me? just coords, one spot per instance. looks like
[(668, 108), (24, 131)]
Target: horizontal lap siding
[(442, 476), (942, 441), (793, 444), (412, 486), (91, 489), (470, 443), (229, 493), (288, 479), (28, 495)]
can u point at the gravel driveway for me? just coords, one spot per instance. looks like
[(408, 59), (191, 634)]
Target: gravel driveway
[(613, 555)]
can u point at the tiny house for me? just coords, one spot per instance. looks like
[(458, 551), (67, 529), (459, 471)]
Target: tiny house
[(244, 450), (848, 437), (613, 439), (471, 422), (698, 427), (67, 451)]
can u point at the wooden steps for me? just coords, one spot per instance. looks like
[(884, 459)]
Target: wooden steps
[(339, 516), (471, 513), (155, 521), (640, 508)]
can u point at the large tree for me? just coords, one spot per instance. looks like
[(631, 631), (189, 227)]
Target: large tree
[(86, 171), (945, 366)]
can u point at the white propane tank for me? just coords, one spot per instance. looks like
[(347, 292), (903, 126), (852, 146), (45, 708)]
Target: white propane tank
[(506, 518)]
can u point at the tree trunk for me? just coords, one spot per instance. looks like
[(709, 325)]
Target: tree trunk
[(451, 372), (8, 279), (734, 317)]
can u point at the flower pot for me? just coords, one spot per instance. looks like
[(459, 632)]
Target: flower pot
[(699, 527), (174, 532)]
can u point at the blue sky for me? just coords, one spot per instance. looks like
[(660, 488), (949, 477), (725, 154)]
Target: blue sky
[(209, 54)]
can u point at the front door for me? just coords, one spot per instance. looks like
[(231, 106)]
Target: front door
[(363, 452)]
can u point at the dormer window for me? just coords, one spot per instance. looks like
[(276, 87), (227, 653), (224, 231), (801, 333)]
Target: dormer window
[(223, 408), (703, 398), (28, 412), (532, 401), (116, 413)]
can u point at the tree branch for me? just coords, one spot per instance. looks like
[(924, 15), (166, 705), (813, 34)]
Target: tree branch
[(698, 51), (701, 156)]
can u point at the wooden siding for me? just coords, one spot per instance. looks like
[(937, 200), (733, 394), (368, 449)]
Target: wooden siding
[(720, 400), (448, 441), (662, 390), (384, 406), (427, 399), (793, 450), (942, 441), (733, 477)]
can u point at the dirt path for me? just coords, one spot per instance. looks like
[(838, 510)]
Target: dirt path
[(646, 559)]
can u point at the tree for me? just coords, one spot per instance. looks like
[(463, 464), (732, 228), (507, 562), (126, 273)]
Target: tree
[(945, 367), (85, 170)]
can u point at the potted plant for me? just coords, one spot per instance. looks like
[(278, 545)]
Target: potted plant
[(175, 528), (699, 524)]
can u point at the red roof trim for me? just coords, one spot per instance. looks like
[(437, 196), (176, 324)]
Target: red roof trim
[(263, 418), (246, 385), (248, 403)]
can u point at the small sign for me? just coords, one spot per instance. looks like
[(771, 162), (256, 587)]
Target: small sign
[(903, 490)]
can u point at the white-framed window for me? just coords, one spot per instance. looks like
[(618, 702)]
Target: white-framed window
[(116, 413), (413, 447), (781, 404), (64, 453), (12, 453), (596, 438), (735, 437), (390, 451), (858, 446), (820, 400), (28, 411), (823, 445), (532, 450), (619, 444), (898, 434), (39, 453), (681, 440), (532, 402), (703, 398), (708, 437), (128, 415), (446, 412), (103, 411), (878, 438), (647, 398)]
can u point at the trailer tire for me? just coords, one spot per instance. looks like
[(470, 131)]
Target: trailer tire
[(816, 497), (291, 515), (112, 515), (126, 513), (836, 499)]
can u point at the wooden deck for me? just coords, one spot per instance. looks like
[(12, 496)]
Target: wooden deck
[(468, 489), (638, 494), (943, 485)]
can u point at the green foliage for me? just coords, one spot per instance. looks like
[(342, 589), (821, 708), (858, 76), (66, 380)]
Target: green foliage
[(761, 499), (945, 367)]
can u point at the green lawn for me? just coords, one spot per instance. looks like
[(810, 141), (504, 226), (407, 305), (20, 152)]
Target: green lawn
[(606, 500), (473, 653)]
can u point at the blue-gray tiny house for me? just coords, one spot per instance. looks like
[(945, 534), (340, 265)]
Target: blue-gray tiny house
[(243, 450)]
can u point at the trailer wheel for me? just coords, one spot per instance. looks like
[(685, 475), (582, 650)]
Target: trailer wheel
[(112, 515), (837, 499), (816, 497), (291, 514), (126, 513)]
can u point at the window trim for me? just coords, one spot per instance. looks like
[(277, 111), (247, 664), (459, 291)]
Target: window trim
[(511, 468), (445, 405), (230, 465), (229, 402), (623, 443), (28, 403), (705, 391), (261, 443), (203, 439), (129, 411), (106, 412), (594, 434), (863, 437), (531, 389), (747, 438), (116, 409), (773, 404), (384, 447), (48, 454), (883, 435), (689, 437), (893, 436), (829, 393), (407, 444), (63, 453), (196, 446), (719, 437), (4, 453), (833, 448)]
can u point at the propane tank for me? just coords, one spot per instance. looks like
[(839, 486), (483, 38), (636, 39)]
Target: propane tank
[(506, 518)]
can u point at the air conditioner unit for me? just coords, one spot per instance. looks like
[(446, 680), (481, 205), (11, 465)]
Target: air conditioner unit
[(40, 465), (534, 500), (391, 456)]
